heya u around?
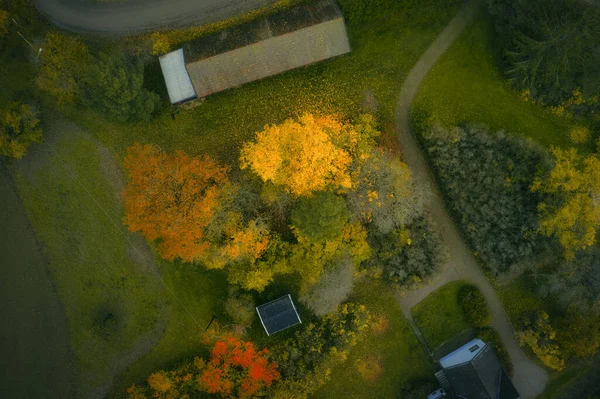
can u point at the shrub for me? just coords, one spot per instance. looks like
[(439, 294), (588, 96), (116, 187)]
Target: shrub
[(63, 65), (320, 217), (19, 127), (579, 333), (492, 338), (474, 306), (539, 336), (408, 255), (114, 87), (306, 359), (579, 135), (486, 179), (240, 308), (332, 289)]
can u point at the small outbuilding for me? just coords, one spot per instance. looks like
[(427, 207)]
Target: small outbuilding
[(278, 314), (299, 36)]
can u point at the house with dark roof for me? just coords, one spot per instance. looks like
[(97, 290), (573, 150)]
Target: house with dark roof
[(473, 371), (295, 37), (278, 314)]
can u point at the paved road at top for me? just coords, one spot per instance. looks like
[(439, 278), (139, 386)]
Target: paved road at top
[(529, 378), (134, 16)]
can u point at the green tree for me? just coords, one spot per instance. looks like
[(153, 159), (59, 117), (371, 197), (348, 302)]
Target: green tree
[(573, 213), (407, 255), (114, 86), (487, 178), (321, 217), (551, 46), (578, 333), (63, 65), (305, 360), (474, 306), (19, 126)]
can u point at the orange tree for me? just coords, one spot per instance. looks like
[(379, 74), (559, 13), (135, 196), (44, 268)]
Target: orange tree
[(173, 198), (235, 370)]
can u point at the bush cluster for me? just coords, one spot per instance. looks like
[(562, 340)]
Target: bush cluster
[(487, 178), (407, 256), (474, 306), (304, 360)]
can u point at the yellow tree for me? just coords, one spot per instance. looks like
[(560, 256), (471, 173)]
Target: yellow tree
[(62, 67), (302, 156), (573, 214), (3, 23)]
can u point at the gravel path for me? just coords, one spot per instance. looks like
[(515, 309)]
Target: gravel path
[(529, 379), (134, 16)]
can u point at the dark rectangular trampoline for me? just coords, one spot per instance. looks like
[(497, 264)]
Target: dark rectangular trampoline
[(278, 314)]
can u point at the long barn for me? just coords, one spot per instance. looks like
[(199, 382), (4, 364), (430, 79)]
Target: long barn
[(267, 46)]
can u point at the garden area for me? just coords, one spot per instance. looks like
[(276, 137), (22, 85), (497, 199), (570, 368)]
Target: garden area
[(157, 221)]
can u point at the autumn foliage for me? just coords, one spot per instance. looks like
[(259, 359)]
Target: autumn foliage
[(172, 198), (302, 156), (237, 370)]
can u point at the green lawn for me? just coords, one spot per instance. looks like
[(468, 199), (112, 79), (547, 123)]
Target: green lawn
[(439, 316), (396, 350), (466, 86)]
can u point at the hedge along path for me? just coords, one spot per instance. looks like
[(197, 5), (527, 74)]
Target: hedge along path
[(529, 379)]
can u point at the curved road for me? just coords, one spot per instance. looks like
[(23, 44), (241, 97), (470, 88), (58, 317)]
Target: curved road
[(529, 379), (134, 16)]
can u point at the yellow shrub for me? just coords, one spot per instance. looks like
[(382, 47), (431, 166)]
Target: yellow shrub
[(579, 134)]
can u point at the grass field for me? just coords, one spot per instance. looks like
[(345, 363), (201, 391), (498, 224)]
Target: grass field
[(466, 86), (439, 316)]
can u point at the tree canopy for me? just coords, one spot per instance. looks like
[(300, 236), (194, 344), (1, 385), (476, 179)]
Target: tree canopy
[(300, 155), (572, 213), (20, 127), (321, 217), (114, 86), (487, 179), (172, 198), (551, 46), (63, 66), (384, 192)]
